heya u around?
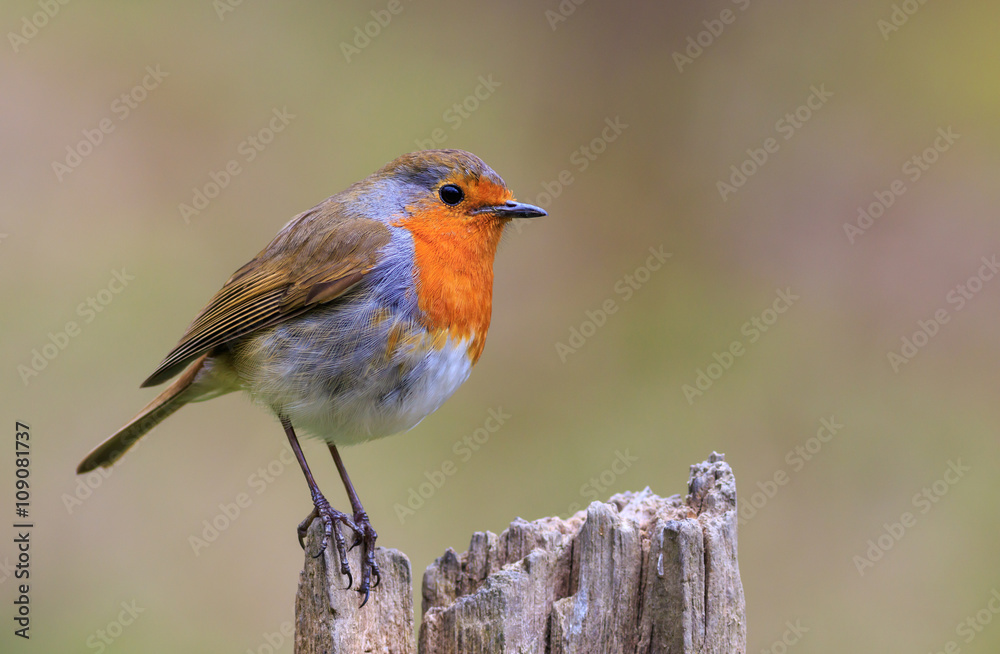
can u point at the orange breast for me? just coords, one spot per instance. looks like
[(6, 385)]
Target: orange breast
[(454, 263)]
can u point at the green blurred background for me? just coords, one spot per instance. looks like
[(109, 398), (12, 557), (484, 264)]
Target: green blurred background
[(545, 89)]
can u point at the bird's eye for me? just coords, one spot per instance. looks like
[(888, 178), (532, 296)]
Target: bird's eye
[(451, 194)]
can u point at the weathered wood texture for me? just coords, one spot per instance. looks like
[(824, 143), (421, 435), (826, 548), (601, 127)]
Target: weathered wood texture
[(328, 618), (639, 573)]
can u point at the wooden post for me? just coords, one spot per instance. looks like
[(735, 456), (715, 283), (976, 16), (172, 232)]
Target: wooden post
[(637, 574)]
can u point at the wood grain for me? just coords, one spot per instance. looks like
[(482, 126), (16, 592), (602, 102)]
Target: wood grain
[(636, 574)]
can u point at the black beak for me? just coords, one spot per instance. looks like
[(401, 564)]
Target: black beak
[(511, 209)]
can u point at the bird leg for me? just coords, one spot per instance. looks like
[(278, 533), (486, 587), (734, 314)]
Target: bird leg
[(364, 533), (332, 518)]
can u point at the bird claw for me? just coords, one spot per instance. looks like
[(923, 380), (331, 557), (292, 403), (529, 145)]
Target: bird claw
[(366, 536), (303, 527), (332, 519)]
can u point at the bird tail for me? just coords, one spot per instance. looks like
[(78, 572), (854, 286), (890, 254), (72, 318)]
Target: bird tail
[(165, 404)]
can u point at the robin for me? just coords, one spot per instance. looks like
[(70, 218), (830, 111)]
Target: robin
[(360, 318)]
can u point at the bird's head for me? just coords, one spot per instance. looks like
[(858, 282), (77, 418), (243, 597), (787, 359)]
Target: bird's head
[(452, 191)]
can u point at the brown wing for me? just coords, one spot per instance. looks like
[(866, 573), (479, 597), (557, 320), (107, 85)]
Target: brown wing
[(316, 258)]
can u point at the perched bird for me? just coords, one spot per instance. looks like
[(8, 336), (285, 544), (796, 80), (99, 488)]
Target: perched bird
[(361, 317)]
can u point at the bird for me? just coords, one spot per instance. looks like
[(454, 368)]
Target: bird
[(360, 318)]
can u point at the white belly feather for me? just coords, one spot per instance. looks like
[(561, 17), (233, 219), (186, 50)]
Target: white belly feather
[(346, 390), (372, 409)]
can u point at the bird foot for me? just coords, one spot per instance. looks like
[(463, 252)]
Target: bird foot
[(365, 536), (332, 519)]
